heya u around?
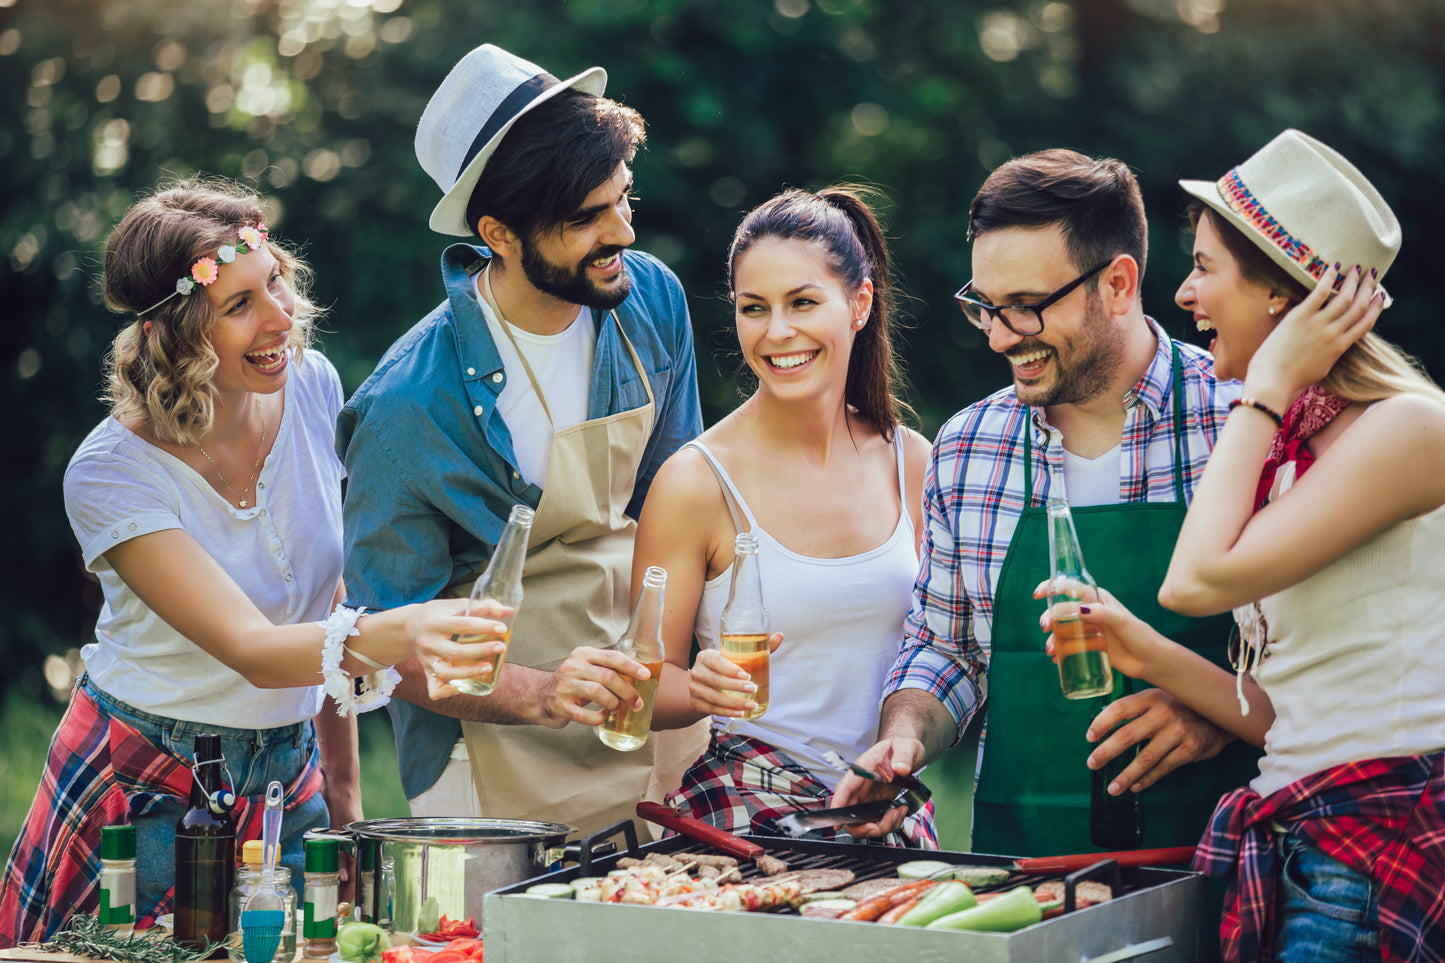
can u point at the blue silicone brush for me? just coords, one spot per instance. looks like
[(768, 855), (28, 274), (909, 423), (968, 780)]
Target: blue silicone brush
[(264, 915)]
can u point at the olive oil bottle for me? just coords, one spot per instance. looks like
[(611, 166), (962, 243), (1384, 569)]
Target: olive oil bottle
[(205, 851)]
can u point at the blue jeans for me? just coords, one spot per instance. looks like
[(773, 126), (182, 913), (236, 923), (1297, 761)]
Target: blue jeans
[(254, 757), (1328, 913)]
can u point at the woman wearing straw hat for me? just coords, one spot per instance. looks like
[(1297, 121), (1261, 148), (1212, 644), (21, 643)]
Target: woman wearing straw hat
[(1321, 521)]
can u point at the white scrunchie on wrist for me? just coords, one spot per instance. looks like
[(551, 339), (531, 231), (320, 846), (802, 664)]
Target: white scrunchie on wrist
[(351, 695)]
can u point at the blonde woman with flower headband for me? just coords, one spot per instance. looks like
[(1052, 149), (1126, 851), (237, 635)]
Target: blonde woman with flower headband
[(1320, 520), (208, 505)]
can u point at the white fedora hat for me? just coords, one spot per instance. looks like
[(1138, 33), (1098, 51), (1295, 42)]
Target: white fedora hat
[(1306, 207), (478, 102)]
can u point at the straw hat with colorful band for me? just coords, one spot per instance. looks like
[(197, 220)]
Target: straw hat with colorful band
[(206, 269), (484, 95), (1307, 207)]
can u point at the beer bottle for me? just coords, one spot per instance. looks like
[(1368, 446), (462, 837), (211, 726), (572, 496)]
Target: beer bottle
[(1081, 651), (745, 629), (626, 728), (1115, 822), (205, 851), (501, 582)]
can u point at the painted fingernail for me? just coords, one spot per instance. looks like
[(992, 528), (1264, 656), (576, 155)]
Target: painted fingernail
[(1337, 265), (1374, 273)]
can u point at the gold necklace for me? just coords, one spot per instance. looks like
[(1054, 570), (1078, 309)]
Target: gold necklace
[(255, 468)]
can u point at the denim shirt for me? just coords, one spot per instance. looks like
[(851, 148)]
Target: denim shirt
[(431, 468)]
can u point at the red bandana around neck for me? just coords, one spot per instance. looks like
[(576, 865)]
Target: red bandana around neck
[(1311, 411)]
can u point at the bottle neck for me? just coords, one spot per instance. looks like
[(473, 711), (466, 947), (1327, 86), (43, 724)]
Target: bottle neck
[(504, 571), (644, 632)]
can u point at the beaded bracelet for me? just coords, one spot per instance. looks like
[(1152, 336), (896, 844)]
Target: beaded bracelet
[(1275, 416), (351, 695)]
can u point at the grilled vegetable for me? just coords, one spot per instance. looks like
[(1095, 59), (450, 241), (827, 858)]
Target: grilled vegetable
[(924, 868), (551, 890), (945, 899), (979, 876), (1012, 911)]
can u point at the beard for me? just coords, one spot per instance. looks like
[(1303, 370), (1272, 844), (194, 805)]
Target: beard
[(1083, 367), (572, 284)]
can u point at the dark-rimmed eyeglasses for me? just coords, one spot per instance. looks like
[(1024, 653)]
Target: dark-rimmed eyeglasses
[(1021, 319)]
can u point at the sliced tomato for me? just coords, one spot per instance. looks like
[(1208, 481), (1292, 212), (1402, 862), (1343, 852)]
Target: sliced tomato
[(405, 954), (447, 956)]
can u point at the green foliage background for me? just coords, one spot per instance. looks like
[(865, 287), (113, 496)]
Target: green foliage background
[(315, 103)]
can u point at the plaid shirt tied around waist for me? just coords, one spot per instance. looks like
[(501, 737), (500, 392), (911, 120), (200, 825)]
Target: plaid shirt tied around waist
[(100, 771), (743, 785), (1384, 818)]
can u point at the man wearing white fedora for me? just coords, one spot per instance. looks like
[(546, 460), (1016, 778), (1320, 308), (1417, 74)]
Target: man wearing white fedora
[(558, 373)]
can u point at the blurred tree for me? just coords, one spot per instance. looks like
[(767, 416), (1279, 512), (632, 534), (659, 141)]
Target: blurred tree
[(315, 103)]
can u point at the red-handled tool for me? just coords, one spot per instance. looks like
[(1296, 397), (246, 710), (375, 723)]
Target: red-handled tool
[(1126, 859), (717, 838)]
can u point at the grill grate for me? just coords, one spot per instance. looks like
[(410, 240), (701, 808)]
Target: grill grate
[(865, 861)]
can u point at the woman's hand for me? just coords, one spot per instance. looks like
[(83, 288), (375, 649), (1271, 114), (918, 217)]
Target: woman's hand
[(1305, 345), (719, 688), (1133, 644), (437, 630)]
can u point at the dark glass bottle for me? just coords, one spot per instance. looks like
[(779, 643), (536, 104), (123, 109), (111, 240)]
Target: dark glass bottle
[(205, 851), (1115, 822)]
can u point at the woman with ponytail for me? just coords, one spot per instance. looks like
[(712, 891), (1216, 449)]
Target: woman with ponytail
[(817, 464)]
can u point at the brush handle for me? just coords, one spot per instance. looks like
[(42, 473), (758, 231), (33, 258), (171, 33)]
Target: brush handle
[(271, 829)]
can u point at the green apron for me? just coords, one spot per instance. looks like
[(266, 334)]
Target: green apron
[(1032, 797)]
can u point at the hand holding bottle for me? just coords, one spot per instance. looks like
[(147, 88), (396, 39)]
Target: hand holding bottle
[(719, 686), (1131, 643)]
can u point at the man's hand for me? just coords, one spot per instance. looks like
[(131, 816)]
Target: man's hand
[(898, 756), (590, 676), (1172, 733)]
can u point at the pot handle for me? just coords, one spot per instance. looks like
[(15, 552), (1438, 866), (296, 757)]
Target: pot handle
[(590, 847)]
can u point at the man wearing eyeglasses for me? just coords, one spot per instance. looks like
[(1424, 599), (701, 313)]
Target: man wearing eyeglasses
[(1104, 403)]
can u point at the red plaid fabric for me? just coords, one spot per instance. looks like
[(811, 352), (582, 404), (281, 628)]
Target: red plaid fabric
[(99, 772), (1384, 818), (744, 785)]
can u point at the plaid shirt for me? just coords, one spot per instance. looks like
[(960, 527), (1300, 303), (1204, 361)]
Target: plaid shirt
[(973, 496), (100, 770), (743, 785), (1384, 818)]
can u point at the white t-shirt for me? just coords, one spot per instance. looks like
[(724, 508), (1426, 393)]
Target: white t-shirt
[(1092, 481), (284, 552), (562, 364)]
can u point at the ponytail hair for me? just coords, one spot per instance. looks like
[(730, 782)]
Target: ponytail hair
[(840, 220)]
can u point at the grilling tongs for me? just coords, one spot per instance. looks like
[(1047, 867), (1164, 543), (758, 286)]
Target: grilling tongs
[(912, 797)]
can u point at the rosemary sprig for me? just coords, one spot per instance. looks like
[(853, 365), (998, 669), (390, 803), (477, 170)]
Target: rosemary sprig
[(85, 935)]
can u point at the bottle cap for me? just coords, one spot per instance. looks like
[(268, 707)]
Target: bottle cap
[(252, 852), (117, 842), (323, 854)]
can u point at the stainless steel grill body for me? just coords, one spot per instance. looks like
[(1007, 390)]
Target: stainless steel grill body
[(1158, 918)]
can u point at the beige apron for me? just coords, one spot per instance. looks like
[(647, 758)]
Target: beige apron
[(577, 582)]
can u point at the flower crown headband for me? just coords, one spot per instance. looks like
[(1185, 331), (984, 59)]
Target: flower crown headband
[(205, 271)]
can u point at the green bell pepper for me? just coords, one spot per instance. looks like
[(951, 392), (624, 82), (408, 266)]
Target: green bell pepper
[(945, 899), (361, 942), (1003, 914)]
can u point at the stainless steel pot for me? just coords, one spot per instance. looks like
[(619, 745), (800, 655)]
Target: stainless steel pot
[(403, 862)]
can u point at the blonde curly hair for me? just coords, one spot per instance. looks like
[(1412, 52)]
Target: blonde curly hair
[(159, 368)]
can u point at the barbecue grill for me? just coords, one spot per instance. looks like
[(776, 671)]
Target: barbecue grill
[(1156, 915)]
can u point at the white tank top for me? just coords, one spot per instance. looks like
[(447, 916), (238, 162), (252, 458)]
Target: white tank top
[(842, 619), (1356, 659)]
